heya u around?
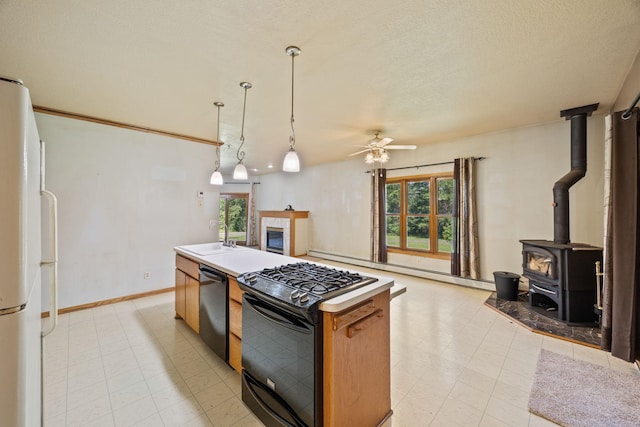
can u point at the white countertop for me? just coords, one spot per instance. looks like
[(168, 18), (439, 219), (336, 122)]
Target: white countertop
[(235, 261)]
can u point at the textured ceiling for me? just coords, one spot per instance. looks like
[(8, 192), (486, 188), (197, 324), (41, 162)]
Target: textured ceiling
[(420, 70)]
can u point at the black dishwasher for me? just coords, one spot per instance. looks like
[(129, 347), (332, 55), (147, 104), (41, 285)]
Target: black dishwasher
[(214, 313)]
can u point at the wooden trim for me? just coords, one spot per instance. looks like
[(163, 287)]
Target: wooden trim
[(284, 214), (438, 255), (67, 114), (109, 301), (433, 215)]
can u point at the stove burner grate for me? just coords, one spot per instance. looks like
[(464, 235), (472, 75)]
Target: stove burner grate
[(316, 279)]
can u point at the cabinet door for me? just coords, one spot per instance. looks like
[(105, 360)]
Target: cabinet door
[(357, 377), (192, 304), (181, 282)]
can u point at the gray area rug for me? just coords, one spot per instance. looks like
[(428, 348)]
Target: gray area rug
[(576, 393)]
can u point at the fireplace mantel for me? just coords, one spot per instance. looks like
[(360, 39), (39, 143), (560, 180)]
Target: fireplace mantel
[(295, 226)]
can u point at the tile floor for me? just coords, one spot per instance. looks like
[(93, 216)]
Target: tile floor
[(454, 361)]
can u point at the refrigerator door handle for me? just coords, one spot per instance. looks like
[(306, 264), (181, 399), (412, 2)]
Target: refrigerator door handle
[(53, 262)]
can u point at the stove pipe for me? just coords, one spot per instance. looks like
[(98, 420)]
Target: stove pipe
[(578, 117)]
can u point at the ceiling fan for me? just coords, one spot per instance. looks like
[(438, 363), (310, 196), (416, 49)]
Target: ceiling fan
[(377, 148)]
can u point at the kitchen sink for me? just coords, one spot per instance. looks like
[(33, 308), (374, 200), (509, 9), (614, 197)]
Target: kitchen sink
[(207, 248)]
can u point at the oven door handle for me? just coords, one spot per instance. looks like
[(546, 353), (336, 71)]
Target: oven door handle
[(252, 384), (286, 321)]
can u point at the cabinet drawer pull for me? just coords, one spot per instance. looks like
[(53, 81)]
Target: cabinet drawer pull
[(363, 323)]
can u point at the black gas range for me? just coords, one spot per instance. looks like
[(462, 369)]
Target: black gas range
[(282, 349), (301, 286)]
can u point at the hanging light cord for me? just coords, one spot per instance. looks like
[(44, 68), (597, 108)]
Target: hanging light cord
[(240, 154), (292, 138), (217, 164)]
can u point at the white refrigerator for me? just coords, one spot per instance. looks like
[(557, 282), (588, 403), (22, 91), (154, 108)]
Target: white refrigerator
[(23, 198)]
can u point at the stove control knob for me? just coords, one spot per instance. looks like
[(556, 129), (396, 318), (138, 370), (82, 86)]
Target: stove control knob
[(295, 295), (304, 297)]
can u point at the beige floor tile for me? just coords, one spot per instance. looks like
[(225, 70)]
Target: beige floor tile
[(94, 410), (127, 395), (134, 412), (456, 413), (228, 412), (180, 413), (212, 396)]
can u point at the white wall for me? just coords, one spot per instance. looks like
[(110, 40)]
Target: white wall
[(514, 191), (126, 198)]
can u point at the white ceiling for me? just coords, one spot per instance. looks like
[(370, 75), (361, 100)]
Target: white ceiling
[(420, 70)]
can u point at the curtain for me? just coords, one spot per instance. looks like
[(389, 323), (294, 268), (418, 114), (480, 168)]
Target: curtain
[(252, 238), (605, 322), (378, 220), (621, 319), (465, 256)]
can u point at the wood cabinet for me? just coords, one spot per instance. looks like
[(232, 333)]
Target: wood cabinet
[(235, 325), (357, 373), (187, 290)]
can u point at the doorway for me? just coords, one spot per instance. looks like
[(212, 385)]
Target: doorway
[(233, 214)]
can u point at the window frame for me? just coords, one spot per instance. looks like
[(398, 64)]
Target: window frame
[(433, 214)]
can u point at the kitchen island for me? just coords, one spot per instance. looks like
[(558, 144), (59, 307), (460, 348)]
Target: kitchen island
[(353, 353)]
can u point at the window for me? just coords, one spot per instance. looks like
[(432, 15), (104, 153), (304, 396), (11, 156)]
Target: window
[(233, 213), (419, 215)]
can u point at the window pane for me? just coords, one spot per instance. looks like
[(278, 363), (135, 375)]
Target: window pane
[(393, 198), (445, 235), (418, 233), (237, 219), (418, 197), (445, 196), (393, 230)]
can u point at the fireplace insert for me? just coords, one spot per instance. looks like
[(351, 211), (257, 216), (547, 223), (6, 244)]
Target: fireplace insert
[(275, 240)]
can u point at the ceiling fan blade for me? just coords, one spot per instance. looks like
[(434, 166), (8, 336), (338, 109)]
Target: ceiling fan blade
[(400, 147), (384, 141), (359, 152)]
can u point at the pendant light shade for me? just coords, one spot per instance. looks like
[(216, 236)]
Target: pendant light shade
[(216, 176), (291, 161), (240, 171)]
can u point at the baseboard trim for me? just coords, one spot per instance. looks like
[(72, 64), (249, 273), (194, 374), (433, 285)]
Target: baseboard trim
[(409, 271), (109, 301)]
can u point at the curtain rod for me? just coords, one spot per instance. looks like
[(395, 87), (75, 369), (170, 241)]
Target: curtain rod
[(627, 114), (430, 164), (245, 183)]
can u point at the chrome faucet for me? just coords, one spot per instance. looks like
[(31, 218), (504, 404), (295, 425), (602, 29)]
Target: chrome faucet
[(226, 235), (227, 242)]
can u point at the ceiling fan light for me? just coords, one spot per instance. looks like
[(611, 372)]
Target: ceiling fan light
[(240, 172), (291, 162), (384, 156), (216, 178), (369, 157)]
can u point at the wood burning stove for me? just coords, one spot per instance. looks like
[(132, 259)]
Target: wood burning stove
[(562, 276)]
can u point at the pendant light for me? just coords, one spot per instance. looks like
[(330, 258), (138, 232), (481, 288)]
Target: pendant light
[(216, 176), (291, 161), (240, 172)]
